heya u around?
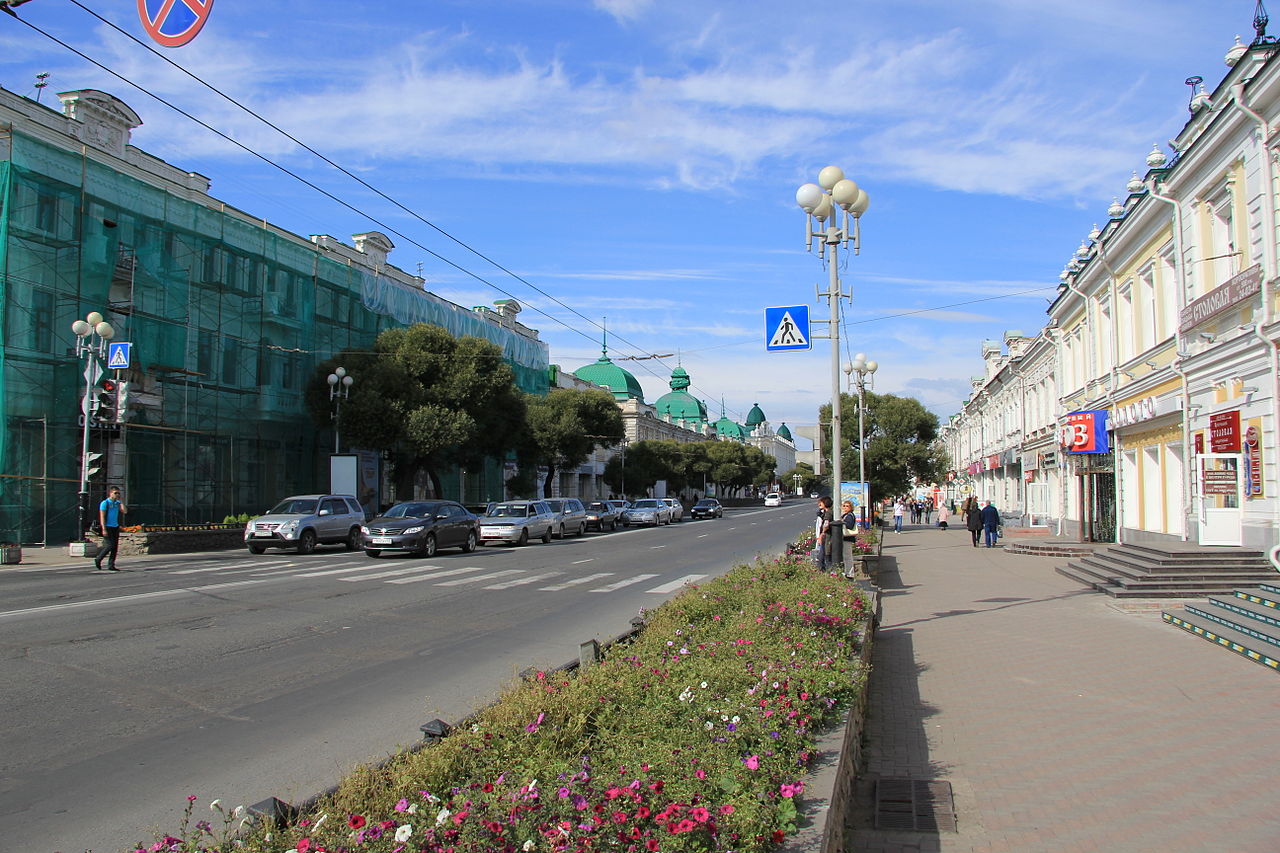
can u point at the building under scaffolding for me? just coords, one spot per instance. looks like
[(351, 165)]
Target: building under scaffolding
[(227, 316)]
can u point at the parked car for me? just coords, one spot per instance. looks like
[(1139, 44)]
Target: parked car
[(677, 508), (517, 522), (707, 508), (773, 499), (422, 527), (571, 516), (301, 522), (646, 511), (619, 505), (601, 515)]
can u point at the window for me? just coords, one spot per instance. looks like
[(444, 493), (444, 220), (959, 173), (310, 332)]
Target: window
[(41, 320), (206, 347), (1148, 310), (1125, 322), (230, 361)]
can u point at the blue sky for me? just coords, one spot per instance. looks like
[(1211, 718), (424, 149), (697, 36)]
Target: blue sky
[(638, 159)]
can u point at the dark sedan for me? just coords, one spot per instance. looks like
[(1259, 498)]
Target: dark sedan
[(707, 508), (422, 527)]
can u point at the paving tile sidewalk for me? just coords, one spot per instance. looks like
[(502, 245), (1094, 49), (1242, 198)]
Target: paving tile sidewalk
[(1061, 722)]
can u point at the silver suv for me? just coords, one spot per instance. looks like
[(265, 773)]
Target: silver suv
[(571, 516), (303, 521)]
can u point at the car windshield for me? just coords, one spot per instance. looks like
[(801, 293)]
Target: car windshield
[(599, 505), (509, 511), (295, 506), (411, 510), (556, 506), (646, 503), (705, 502)]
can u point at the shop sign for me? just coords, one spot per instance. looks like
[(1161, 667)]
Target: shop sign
[(1224, 432), (1140, 410), (1199, 443), (1238, 288), (993, 461), (1086, 432), (1219, 482), (1253, 462), (1048, 459), (1030, 476)]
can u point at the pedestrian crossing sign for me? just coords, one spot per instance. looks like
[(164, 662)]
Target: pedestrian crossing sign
[(118, 355), (787, 328)]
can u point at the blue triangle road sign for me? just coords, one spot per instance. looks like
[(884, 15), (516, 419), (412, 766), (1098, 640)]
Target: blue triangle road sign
[(786, 328), (118, 355)]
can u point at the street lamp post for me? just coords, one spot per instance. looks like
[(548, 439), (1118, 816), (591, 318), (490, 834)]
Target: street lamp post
[(339, 390), (863, 368), (92, 334), (819, 201)]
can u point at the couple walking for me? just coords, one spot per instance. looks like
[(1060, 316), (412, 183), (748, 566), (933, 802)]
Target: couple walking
[(981, 520)]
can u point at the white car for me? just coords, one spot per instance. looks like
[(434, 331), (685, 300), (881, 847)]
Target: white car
[(773, 499)]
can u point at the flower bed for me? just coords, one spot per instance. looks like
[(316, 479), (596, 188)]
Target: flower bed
[(693, 737)]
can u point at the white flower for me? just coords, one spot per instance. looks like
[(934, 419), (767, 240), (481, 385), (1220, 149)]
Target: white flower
[(403, 833), (704, 685), (237, 811), (413, 808), (708, 725), (442, 816), (215, 806), (736, 719), (528, 845)]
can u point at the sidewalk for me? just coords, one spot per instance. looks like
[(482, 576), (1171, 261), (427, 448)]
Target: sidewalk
[(1061, 722)]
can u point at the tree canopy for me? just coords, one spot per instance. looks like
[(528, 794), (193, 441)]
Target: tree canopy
[(899, 436), (730, 465), (566, 425), (427, 398)]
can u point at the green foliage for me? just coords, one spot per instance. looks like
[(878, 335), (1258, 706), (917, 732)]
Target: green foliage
[(567, 425), (899, 435), (809, 481), (693, 737), (729, 464), (242, 518), (426, 397)]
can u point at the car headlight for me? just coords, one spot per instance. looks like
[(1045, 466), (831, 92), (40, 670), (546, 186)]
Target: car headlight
[(418, 529), (289, 527), (364, 530)]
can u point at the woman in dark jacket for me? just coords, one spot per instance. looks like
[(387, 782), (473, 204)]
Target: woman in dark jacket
[(973, 519)]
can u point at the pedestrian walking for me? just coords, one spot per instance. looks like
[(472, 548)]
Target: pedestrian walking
[(973, 519), (943, 515), (990, 523), (899, 510), (111, 513), (822, 531)]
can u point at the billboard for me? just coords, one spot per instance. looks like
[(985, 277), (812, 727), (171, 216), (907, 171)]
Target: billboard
[(1086, 432)]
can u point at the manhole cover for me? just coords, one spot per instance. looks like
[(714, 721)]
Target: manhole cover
[(919, 805)]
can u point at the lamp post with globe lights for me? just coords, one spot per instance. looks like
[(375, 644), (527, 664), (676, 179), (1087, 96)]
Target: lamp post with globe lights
[(863, 368), (833, 208), (339, 389), (92, 334)]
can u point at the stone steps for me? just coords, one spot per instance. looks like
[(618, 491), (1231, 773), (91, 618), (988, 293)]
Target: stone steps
[(1246, 622), (1137, 571)]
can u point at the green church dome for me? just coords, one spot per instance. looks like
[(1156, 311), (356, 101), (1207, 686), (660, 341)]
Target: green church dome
[(783, 432), (679, 403), (755, 417), (604, 372)]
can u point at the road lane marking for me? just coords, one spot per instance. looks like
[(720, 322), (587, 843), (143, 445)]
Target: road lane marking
[(230, 568), (347, 569), (574, 582), (377, 575), (656, 547), (120, 599), (620, 584), (491, 576), (433, 575), (703, 535), (675, 584), (522, 581), (580, 562)]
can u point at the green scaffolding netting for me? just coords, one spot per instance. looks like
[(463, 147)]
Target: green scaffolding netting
[(227, 318)]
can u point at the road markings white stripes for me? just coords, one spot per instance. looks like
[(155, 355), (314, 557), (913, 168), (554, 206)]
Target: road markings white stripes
[(675, 584), (230, 567), (377, 575), (575, 582), (522, 581), (478, 578), (348, 569), (580, 562), (620, 584), (121, 599), (433, 575)]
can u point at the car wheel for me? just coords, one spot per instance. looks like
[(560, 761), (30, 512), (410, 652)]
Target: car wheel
[(257, 549), (428, 548), (582, 530), (546, 537), (559, 534), (524, 537), (307, 542), (470, 544), (353, 539), (613, 525), (372, 552)]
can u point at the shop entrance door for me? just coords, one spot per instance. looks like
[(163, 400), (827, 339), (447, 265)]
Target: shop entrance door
[(1038, 504), (1221, 498)]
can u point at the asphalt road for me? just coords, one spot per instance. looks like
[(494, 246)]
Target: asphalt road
[(240, 677)]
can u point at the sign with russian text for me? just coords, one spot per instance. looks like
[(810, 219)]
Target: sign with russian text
[(1232, 292), (1224, 432), (1219, 482), (1252, 462), (1086, 432)]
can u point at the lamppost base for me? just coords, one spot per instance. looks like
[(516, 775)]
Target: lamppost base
[(81, 549)]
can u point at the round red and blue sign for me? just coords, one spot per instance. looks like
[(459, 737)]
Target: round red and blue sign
[(173, 23)]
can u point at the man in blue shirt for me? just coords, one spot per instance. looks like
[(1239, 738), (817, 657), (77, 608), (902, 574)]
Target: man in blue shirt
[(990, 522), (110, 513)]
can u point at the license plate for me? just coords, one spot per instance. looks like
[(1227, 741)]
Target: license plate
[(491, 531), (261, 533), (380, 540)]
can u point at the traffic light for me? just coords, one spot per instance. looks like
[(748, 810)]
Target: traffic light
[(106, 401), (122, 402), (92, 464)]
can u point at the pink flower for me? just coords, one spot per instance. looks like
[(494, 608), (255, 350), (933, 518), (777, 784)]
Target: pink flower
[(752, 762), (726, 809)]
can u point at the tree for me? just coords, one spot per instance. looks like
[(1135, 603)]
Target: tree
[(808, 479), (568, 424), (899, 435), (637, 468), (429, 399)]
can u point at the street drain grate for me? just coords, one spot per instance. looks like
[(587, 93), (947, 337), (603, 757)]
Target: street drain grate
[(919, 805)]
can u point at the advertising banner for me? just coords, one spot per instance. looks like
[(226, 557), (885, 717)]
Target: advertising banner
[(1086, 432), (1252, 461), (1224, 432)]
